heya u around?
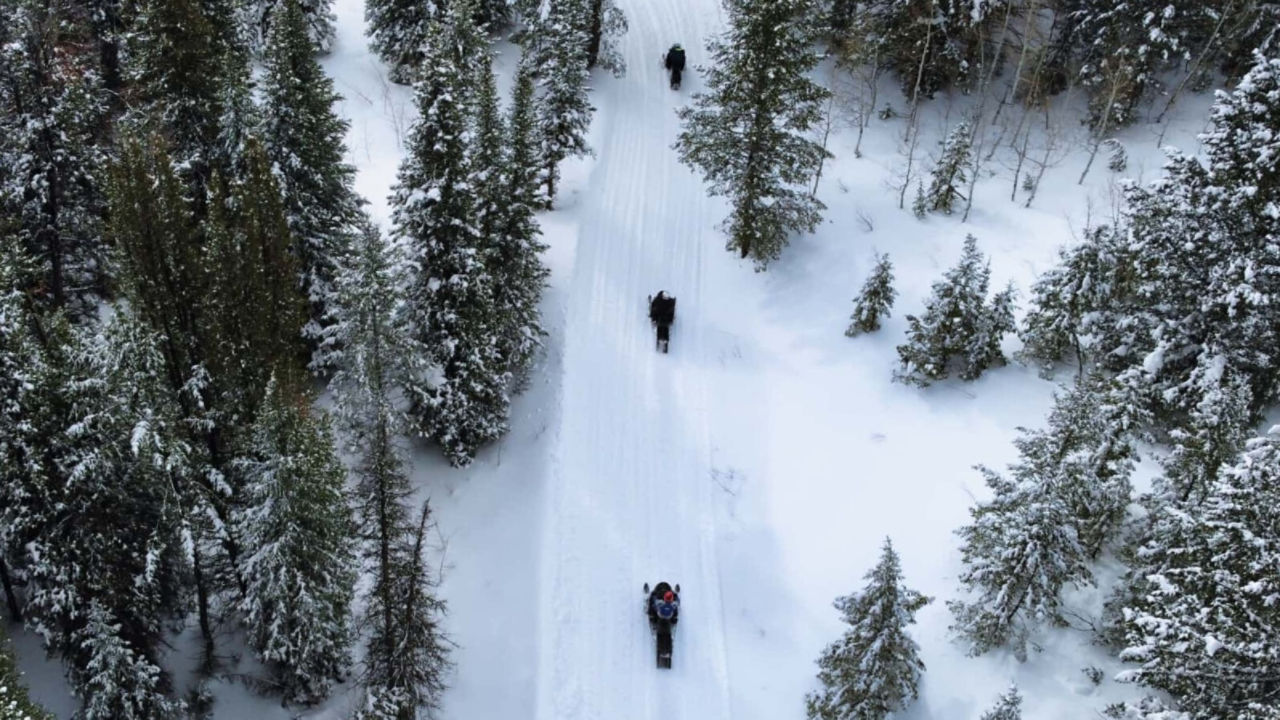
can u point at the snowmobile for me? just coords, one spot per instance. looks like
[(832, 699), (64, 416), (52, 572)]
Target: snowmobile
[(663, 615), (662, 312), (673, 61)]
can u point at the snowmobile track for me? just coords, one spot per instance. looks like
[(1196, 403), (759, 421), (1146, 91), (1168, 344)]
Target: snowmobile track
[(629, 497)]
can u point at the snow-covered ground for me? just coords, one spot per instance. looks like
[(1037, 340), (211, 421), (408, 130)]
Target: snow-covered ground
[(760, 464)]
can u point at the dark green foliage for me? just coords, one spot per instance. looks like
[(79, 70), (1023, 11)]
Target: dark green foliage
[(52, 117), (958, 325), (175, 69), (874, 669), (452, 298), (298, 536), (515, 253), (303, 138), (102, 584), (398, 31), (254, 309), (317, 21), (747, 133), (408, 655), (564, 111), (605, 28), (875, 300)]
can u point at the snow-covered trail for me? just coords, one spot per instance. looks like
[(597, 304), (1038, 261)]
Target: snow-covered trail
[(629, 498)]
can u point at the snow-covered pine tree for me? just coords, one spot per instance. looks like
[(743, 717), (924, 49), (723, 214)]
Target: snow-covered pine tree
[(101, 585), (957, 324), (1211, 437), (1126, 44), (920, 204), (1205, 272), (1073, 298), (1019, 552), (298, 539), (505, 164), (30, 390), (241, 119), (1087, 456), (1198, 615), (516, 263), (317, 21), (1008, 706), (951, 172), (397, 31), (52, 117), (303, 137), (452, 298), (606, 26), (563, 110), (874, 669), (1147, 708), (15, 702), (982, 350), (748, 132), (930, 44), (175, 64), (408, 656), (875, 301)]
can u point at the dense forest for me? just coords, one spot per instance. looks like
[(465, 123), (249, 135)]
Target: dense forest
[(185, 267)]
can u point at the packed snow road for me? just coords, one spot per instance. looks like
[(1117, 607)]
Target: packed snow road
[(629, 499)]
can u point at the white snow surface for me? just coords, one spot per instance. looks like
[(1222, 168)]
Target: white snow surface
[(760, 464)]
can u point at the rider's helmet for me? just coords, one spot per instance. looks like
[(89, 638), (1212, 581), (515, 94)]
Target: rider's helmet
[(677, 47), (668, 596)]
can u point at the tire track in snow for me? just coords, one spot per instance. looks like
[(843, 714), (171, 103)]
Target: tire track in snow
[(629, 497)]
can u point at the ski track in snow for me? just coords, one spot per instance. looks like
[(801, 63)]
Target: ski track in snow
[(629, 497)]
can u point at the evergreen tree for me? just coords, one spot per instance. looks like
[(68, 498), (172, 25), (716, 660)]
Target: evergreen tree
[(297, 535), (957, 324), (1126, 45), (304, 141), (317, 21), (255, 309), (1203, 264), (398, 32), (1197, 614), (408, 655), (983, 349), (175, 65), (1074, 298), (29, 391), (875, 300), (452, 298), (102, 584), (15, 703), (52, 114), (931, 45), (516, 263), (950, 174), (378, 353), (874, 669), (1212, 436), (1021, 549), (1008, 706), (564, 111), (747, 134), (607, 25)]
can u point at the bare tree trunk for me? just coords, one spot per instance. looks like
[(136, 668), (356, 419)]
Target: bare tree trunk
[(826, 135), (1012, 90), (15, 610), (1195, 67), (913, 129), (1102, 131), (869, 107)]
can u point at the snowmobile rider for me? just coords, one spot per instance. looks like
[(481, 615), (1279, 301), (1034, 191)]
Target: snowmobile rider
[(664, 606), (662, 311), (674, 62)]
